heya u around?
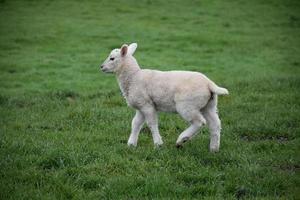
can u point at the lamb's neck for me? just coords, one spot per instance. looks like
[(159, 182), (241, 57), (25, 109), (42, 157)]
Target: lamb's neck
[(126, 76)]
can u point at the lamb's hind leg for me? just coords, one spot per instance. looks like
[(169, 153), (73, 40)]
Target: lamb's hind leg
[(196, 119), (214, 124)]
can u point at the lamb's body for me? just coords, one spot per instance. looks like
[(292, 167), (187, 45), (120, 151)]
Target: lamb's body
[(166, 91), (191, 94)]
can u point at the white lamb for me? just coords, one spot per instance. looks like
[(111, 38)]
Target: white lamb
[(191, 94)]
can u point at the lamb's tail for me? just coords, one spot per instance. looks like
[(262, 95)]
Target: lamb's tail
[(217, 90)]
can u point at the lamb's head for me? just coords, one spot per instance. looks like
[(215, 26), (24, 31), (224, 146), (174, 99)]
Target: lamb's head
[(118, 57)]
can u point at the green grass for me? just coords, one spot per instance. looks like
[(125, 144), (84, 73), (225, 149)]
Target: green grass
[(64, 125)]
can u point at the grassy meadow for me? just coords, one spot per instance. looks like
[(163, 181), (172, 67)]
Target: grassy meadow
[(64, 125)]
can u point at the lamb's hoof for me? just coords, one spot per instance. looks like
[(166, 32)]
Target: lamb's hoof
[(131, 145), (214, 150), (183, 140), (158, 145)]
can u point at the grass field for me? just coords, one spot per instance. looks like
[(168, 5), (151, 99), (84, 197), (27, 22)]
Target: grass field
[(64, 125)]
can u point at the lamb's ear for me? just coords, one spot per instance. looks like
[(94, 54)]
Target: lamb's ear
[(131, 49), (124, 50)]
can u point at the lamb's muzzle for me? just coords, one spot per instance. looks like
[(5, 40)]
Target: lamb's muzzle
[(190, 94)]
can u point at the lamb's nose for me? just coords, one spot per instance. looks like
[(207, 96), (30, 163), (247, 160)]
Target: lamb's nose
[(101, 66)]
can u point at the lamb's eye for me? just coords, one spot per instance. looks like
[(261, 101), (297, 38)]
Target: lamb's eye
[(111, 58)]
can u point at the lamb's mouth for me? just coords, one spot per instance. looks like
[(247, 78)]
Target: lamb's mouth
[(106, 71)]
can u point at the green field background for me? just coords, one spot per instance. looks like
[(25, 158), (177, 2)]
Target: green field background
[(64, 125)]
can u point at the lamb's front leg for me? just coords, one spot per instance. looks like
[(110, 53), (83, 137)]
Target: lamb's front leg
[(136, 126), (152, 122)]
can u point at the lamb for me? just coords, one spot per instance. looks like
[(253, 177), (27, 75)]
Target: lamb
[(190, 94)]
